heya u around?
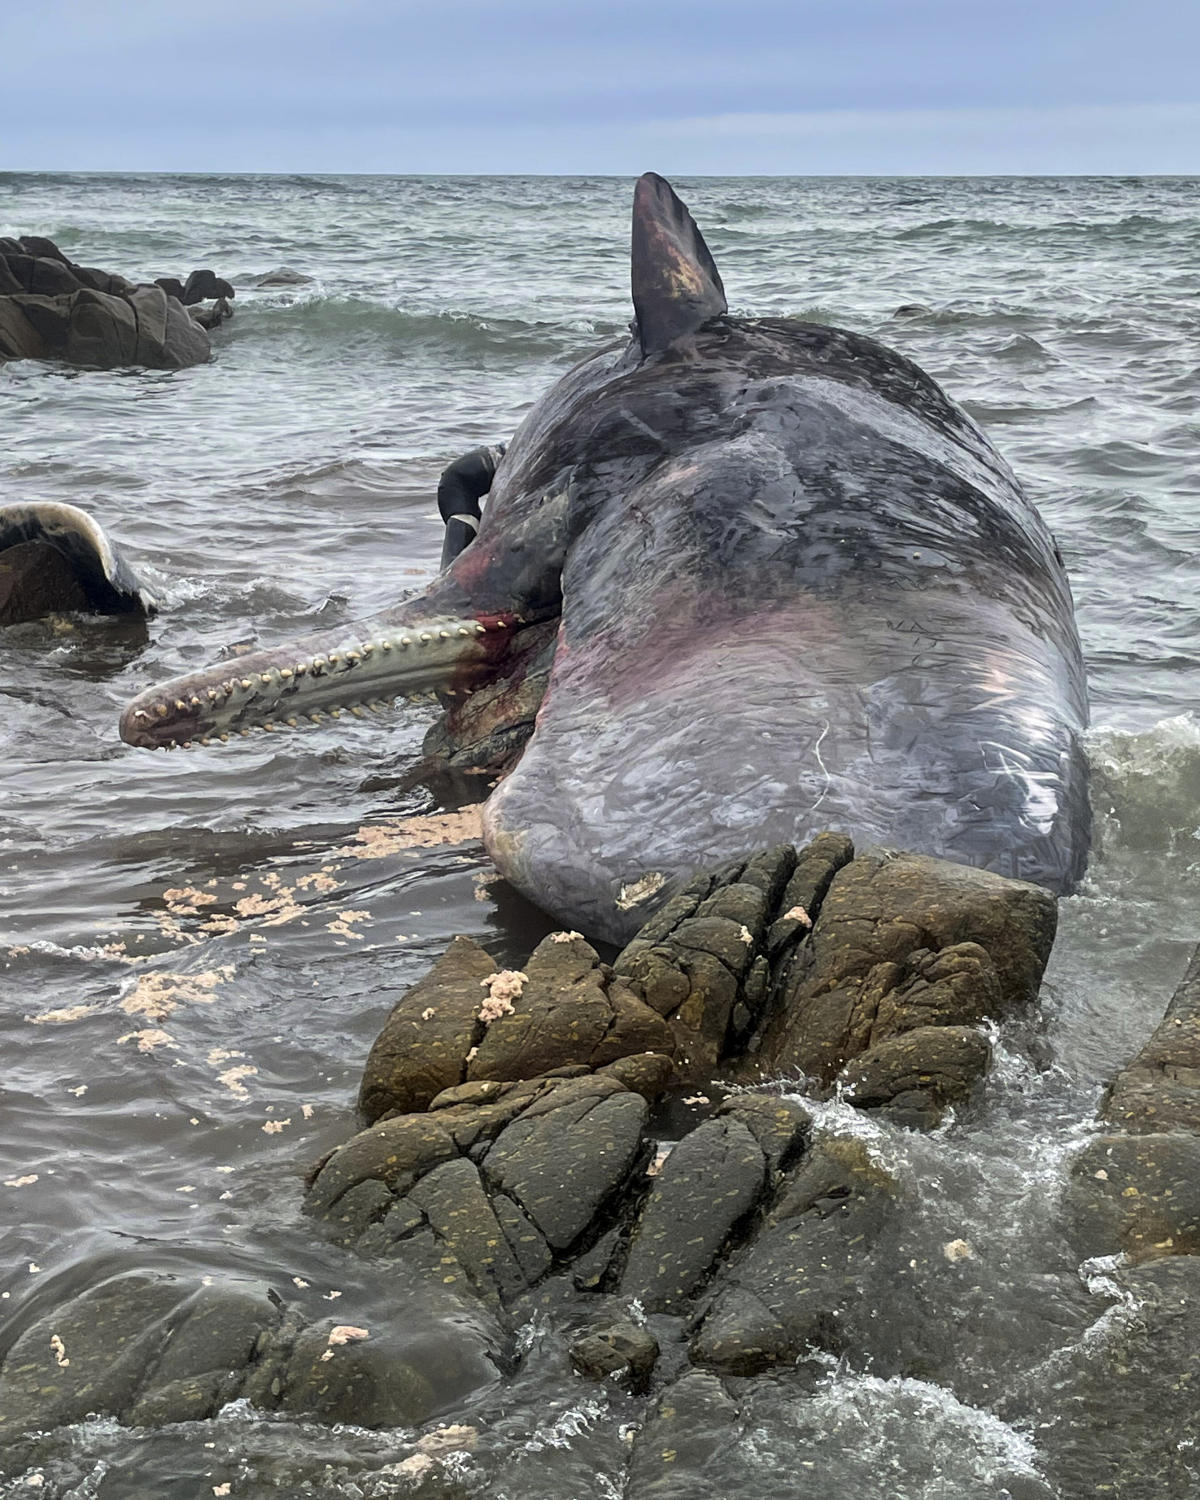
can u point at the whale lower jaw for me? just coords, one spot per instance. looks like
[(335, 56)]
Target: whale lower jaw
[(360, 669)]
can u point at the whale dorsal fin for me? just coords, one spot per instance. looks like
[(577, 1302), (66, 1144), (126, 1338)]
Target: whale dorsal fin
[(676, 285)]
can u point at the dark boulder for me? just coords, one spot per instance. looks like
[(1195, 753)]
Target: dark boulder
[(51, 308), (622, 1349)]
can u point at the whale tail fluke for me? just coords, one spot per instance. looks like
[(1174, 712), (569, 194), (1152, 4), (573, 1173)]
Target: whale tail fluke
[(676, 285)]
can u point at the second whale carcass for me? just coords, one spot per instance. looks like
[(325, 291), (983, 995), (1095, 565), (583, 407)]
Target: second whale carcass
[(795, 588)]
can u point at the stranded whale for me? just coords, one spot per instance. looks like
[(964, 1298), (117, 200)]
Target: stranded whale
[(795, 588)]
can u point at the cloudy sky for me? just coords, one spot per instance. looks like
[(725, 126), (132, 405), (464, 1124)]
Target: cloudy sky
[(602, 86)]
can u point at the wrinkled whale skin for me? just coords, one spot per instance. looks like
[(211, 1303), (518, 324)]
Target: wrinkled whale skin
[(797, 590)]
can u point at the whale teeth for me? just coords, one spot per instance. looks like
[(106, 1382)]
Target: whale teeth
[(291, 723), (386, 644), (224, 738), (352, 658), (162, 710), (316, 718), (247, 683), (194, 702), (319, 663), (285, 673), (140, 713), (334, 658), (207, 740), (404, 642), (265, 677), (368, 648)]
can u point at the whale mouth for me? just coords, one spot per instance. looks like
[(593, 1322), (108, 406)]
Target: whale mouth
[(360, 670)]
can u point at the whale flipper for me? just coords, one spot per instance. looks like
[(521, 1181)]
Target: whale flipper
[(676, 285), (55, 559)]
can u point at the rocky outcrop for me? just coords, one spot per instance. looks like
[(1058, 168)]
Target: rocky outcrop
[(518, 1136), (1137, 1190), (149, 1349), (1134, 1193), (1160, 1089), (604, 1142), (905, 943), (468, 1022), (51, 308)]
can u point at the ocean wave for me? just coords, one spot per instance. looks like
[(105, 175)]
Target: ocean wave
[(350, 319), (1146, 786)]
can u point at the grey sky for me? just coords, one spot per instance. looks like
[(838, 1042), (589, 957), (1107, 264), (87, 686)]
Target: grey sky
[(684, 86)]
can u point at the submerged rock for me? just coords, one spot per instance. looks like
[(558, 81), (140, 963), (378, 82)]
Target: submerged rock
[(51, 308), (1160, 1089), (1137, 1190), (620, 1348), (798, 1287), (150, 1349), (1119, 1416), (1137, 1193)]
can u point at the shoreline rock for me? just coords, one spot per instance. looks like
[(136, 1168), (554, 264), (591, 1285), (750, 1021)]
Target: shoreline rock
[(51, 308)]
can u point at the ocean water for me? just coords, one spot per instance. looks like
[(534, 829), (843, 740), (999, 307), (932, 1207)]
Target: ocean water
[(197, 950)]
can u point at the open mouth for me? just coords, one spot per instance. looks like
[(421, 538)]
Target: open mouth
[(358, 670)]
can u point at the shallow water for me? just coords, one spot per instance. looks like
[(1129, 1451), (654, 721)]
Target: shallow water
[(174, 1062)]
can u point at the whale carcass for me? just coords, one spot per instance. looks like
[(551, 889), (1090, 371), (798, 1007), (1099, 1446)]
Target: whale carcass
[(795, 588)]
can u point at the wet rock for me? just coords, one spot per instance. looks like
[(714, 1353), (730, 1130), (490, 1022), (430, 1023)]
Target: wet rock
[(695, 961), (502, 1180), (781, 1126), (707, 1187), (461, 1214), (393, 1155), (371, 1382), (1119, 1417), (283, 276), (900, 941), (567, 1155), (423, 1046), (213, 315), (203, 286), (916, 1076), (816, 865), (568, 1011), (51, 308), (138, 1347), (800, 1283), (1137, 1193), (694, 1422), (564, 1011), (620, 1348), (1160, 1089)]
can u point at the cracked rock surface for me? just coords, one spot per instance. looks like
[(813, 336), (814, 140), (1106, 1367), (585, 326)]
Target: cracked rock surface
[(609, 1149)]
